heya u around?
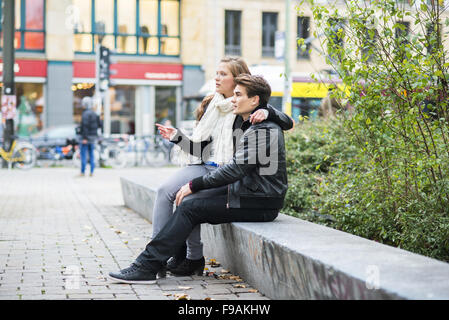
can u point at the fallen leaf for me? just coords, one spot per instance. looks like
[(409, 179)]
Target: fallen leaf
[(118, 231), (239, 286), (181, 296), (236, 278), (213, 263), (224, 271), (166, 294), (253, 290)]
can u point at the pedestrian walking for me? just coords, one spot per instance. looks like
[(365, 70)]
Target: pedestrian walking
[(90, 123)]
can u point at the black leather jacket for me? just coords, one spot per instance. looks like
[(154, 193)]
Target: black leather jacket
[(257, 175)]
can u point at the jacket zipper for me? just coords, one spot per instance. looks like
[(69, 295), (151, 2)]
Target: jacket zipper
[(227, 204)]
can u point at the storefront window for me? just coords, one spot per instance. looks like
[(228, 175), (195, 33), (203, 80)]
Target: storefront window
[(170, 27), (123, 102), (81, 90), (148, 17), (82, 25), (29, 24), (126, 24), (104, 21), (166, 104), (149, 27), (29, 108), (305, 107), (189, 106)]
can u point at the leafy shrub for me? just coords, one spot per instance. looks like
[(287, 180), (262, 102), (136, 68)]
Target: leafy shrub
[(389, 181), (313, 149), (334, 183)]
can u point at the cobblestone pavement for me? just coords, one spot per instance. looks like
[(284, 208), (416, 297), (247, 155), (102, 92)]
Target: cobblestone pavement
[(61, 234)]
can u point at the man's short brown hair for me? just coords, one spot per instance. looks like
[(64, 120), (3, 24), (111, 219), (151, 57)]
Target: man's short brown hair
[(255, 86)]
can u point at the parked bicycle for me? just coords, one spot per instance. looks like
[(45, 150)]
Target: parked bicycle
[(22, 155), (148, 150), (108, 152)]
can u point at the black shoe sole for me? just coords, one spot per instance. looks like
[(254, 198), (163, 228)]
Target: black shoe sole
[(132, 281), (198, 272)]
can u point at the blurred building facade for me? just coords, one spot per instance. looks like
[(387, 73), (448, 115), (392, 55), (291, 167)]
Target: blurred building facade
[(248, 29), (55, 61), (165, 53)]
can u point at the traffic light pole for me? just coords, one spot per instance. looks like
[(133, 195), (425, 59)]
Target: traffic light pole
[(102, 86), (8, 97)]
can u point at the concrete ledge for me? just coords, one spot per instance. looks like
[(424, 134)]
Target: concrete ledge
[(290, 258), (139, 196)]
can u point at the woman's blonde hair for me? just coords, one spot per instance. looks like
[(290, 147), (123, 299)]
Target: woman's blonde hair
[(237, 66)]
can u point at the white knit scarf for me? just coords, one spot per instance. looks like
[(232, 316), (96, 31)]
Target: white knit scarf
[(217, 123)]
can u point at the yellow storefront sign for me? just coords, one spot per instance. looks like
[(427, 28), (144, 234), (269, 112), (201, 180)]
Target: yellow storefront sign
[(309, 90)]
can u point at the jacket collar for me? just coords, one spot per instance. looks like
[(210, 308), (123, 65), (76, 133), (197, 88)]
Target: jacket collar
[(246, 124)]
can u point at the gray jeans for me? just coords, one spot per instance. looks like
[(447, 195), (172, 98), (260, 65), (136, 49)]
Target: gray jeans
[(166, 194)]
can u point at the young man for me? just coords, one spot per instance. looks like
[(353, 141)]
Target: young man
[(256, 180), (90, 122)]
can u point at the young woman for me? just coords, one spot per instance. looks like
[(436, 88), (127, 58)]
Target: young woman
[(210, 146)]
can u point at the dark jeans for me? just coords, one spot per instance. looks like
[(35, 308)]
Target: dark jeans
[(189, 214), (87, 148)]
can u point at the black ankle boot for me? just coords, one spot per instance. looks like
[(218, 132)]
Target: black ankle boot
[(174, 263), (189, 267), (177, 259)]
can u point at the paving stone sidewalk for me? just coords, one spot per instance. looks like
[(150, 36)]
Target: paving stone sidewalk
[(61, 234)]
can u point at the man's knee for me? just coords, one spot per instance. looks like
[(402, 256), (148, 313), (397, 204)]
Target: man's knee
[(187, 209)]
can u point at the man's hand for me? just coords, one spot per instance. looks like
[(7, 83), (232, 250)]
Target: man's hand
[(183, 192), (258, 116), (84, 141), (166, 132)]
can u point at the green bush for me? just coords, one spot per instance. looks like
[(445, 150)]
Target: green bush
[(313, 149), (383, 172), (334, 183)]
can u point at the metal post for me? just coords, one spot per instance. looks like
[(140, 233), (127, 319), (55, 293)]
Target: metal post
[(8, 97), (107, 114), (98, 97), (287, 99), (102, 62)]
